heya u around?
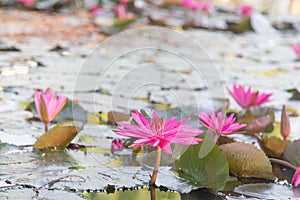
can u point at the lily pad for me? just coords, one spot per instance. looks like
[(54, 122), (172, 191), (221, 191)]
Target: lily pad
[(273, 146), (257, 117), (210, 171), (292, 153), (267, 191), (133, 194), (246, 161), (59, 136)]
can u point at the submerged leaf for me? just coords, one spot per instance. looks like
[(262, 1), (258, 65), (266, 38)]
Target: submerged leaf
[(245, 160), (292, 153), (60, 136), (210, 171)]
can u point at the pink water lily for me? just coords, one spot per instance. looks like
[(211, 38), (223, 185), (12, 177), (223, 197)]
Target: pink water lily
[(247, 98), (296, 178), (197, 5), (220, 125), (296, 48), (95, 9), (47, 105), (123, 1), (246, 10), (158, 132), (121, 12), (117, 145), (26, 2)]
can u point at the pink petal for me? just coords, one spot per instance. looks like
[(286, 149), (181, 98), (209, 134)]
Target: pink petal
[(37, 97), (296, 178)]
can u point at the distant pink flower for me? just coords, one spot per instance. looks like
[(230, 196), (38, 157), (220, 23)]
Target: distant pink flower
[(206, 6), (187, 3), (197, 5), (158, 132), (247, 98), (296, 48), (246, 10), (117, 145), (296, 178), (95, 9), (26, 2), (47, 104), (220, 125), (121, 12), (123, 1)]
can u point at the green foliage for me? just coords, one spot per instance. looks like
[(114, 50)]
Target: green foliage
[(210, 171)]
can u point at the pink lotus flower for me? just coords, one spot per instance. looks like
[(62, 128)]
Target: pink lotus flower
[(26, 2), (197, 5), (95, 9), (187, 3), (247, 98), (117, 145), (158, 132), (121, 12), (296, 178), (220, 125), (296, 48), (48, 106), (124, 1), (246, 10)]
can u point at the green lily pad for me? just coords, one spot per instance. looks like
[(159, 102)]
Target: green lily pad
[(210, 171), (247, 161)]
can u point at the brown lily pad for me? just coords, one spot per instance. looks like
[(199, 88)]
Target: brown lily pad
[(273, 146), (246, 161), (59, 136), (113, 117)]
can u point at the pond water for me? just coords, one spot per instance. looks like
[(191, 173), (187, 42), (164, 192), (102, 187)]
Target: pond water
[(119, 75)]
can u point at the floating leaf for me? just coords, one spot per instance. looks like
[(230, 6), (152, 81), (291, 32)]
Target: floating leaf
[(210, 171), (245, 160), (76, 167), (267, 191), (113, 117), (97, 118), (272, 72), (273, 146), (59, 136), (295, 94), (129, 193), (85, 138), (292, 111), (257, 117), (292, 153)]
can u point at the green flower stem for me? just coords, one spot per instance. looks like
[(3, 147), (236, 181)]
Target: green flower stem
[(282, 162), (155, 172)]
